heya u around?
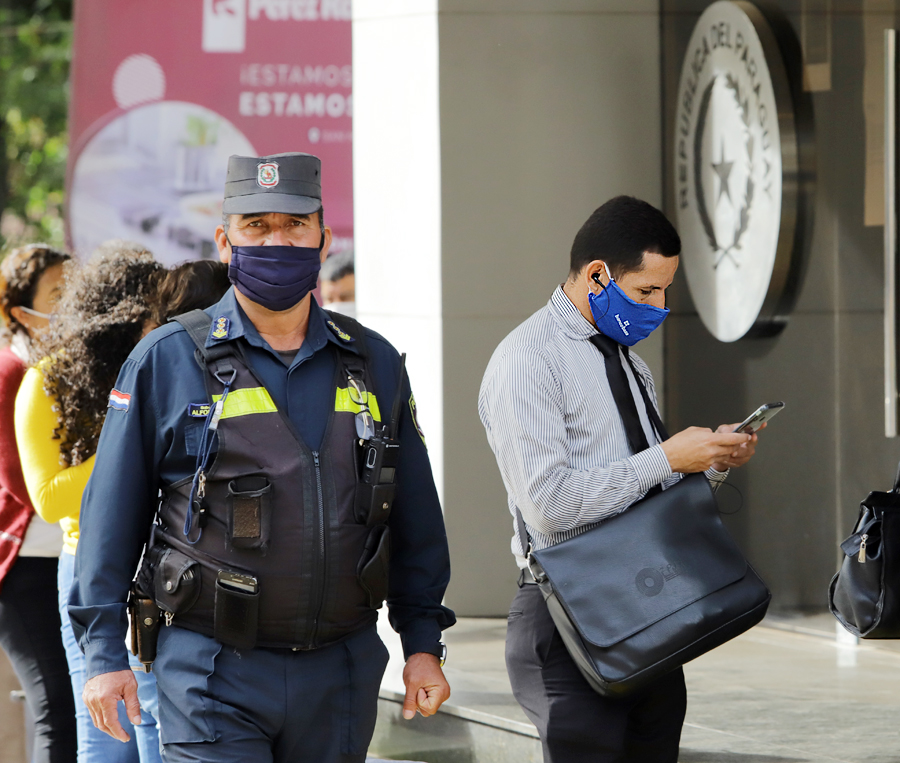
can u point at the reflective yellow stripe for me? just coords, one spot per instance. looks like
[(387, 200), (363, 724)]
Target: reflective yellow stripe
[(243, 402), (343, 403)]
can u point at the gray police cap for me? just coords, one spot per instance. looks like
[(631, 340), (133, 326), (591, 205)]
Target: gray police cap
[(289, 183)]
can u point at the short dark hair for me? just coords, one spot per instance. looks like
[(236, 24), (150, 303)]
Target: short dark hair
[(619, 233), (337, 266)]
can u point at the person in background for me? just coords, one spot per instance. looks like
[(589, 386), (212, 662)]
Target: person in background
[(59, 411), (189, 286), (30, 278), (338, 284)]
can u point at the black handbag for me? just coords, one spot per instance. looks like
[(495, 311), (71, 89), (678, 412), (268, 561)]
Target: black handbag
[(865, 593), (649, 589)]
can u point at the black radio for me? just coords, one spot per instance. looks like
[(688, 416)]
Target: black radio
[(380, 457)]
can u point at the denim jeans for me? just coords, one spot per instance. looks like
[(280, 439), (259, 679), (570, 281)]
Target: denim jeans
[(95, 746)]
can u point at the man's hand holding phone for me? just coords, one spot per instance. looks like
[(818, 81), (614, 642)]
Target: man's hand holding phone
[(732, 445), (741, 455), (696, 449)]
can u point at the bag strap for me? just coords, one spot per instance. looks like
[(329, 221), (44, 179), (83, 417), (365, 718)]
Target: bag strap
[(352, 327), (522, 532), (197, 324)]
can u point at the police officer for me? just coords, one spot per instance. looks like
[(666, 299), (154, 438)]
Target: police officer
[(295, 494)]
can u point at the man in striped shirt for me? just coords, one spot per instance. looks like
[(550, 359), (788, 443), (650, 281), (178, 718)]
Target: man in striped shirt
[(555, 421)]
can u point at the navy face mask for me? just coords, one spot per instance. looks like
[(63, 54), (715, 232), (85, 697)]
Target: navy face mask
[(620, 317), (276, 277)]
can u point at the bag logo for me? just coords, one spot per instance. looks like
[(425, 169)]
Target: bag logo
[(267, 174), (650, 580)]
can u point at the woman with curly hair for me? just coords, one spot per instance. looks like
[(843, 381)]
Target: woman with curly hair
[(59, 411), (30, 278), (193, 285)]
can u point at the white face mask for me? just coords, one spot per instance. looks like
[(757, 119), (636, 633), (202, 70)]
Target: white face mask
[(35, 313), (344, 308)]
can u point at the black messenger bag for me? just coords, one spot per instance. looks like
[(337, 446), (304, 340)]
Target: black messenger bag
[(865, 593), (650, 589)]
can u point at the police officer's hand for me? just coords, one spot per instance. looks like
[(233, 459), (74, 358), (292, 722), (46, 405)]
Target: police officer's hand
[(426, 687), (102, 695), (696, 449)]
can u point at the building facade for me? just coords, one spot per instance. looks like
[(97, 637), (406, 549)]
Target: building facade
[(486, 131)]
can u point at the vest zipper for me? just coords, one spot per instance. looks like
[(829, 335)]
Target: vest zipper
[(319, 592)]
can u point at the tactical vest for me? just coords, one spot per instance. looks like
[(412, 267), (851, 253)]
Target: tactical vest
[(275, 511)]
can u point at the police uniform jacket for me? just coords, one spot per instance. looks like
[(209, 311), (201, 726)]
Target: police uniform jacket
[(150, 440)]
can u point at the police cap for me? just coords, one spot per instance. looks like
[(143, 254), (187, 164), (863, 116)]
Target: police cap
[(289, 183)]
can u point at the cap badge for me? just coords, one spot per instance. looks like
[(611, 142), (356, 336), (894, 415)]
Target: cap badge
[(342, 335), (267, 174), (221, 327)]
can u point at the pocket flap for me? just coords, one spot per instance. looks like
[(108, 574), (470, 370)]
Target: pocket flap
[(176, 581), (644, 564)]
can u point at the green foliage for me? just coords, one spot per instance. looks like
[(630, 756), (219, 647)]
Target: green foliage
[(35, 52)]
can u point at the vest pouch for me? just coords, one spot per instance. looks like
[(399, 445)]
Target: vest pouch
[(176, 580), (250, 512), (373, 503), (237, 614), (374, 566)]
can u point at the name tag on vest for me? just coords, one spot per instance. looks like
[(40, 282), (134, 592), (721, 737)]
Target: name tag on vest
[(198, 410)]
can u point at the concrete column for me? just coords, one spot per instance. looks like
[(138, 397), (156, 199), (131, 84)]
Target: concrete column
[(486, 132)]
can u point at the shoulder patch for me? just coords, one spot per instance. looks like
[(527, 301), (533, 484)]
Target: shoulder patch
[(198, 410), (413, 411), (341, 334), (221, 327), (119, 401)]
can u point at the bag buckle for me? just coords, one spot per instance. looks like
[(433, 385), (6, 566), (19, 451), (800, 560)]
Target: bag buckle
[(534, 567)]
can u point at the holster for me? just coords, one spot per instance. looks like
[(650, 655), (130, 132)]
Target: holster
[(144, 617)]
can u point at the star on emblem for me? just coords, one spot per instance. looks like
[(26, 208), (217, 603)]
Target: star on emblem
[(723, 170)]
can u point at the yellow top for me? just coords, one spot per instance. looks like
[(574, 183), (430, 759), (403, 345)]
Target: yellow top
[(54, 488)]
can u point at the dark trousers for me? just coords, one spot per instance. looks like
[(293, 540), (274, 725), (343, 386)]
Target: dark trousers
[(30, 636), (576, 724), (218, 704)]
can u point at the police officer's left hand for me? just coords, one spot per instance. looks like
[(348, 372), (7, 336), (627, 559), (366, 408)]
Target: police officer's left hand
[(426, 687)]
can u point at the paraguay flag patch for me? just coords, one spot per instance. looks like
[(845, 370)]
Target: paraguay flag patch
[(119, 400)]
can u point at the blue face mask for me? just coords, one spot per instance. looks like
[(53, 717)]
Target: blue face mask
[(620, 317), (276, 277)]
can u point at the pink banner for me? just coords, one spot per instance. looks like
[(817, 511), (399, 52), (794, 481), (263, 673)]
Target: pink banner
[(163, 92)]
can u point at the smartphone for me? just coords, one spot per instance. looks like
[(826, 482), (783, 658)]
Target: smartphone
[(243, 583), (759, 417)]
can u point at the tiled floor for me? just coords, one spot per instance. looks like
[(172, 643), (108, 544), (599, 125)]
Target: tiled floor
[(785, 692)]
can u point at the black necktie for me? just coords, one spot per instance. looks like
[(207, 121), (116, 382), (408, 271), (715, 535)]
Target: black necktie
[(621, 391)]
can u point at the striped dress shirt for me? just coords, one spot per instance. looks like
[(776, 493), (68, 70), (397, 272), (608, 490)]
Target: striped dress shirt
[(554, 427)]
